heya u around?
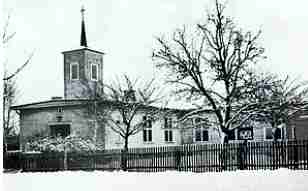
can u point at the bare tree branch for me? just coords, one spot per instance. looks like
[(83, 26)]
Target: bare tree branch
[(215, 70)]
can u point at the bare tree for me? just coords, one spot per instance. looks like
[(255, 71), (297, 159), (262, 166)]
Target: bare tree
[(212, 66), (127, 100), (132, 100), (9, 98), (126, 106), (9, 87)]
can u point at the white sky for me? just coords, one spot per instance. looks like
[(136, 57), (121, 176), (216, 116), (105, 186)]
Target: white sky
[(125, 31)]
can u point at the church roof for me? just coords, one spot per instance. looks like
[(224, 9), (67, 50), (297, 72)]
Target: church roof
[(50, 103), (83, 48), (77, 102)]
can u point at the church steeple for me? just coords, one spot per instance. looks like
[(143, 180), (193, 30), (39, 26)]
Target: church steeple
[(83, 38), (82, 66)]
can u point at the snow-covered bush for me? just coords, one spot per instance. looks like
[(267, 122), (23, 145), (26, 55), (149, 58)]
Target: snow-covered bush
[(59, 144)]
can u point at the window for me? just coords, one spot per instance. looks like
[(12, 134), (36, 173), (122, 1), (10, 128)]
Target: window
[(168, 136), (168, 122), (94, 71), (59, 114), (147, 129), (74, 71), (60, 130), (198, 123), (60, 110), (245, 133), (201, 135), (270, 133), (201, 132), (147, 135)]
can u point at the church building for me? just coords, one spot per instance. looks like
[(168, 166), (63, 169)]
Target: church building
[(65, 116)]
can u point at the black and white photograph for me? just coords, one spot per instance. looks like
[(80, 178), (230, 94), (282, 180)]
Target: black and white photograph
[(154, 95)]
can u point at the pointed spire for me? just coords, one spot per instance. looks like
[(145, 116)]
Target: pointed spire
[(83, 38)]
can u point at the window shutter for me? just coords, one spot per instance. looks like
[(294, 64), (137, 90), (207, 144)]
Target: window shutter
[(150, 135), (166, 122), (170, 136), (166, 135), (144, 135), (198, 135)]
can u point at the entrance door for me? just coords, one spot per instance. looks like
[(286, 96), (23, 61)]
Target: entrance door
[(62, 130)]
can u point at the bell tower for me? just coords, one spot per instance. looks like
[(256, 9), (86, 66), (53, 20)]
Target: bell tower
[(83, 68)]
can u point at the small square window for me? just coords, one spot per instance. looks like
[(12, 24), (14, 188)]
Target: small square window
[(198, 122), (147, 121)]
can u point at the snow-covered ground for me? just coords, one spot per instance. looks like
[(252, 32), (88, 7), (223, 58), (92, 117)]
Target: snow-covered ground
[(262, 180)]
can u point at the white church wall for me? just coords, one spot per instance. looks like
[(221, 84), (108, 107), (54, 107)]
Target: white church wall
[(113, 139)]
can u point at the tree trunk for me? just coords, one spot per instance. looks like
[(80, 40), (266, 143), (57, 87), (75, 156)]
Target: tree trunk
[(126, 144), (124, 155), (226, 137), (224, 152)]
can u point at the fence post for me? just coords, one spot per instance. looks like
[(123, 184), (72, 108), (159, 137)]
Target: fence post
[(65, 158), (124, 159), (22, 161), (177, 155), (242, 154), (295, 147)]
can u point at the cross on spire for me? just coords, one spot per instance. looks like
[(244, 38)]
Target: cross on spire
[(82, 10), (83, 38)]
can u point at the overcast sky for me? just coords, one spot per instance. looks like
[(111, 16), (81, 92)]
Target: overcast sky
[(125, 31)]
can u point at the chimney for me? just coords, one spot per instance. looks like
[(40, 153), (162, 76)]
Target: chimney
[(56, 98)]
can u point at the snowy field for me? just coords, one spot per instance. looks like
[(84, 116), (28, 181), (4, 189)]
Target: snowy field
[(263, 180)]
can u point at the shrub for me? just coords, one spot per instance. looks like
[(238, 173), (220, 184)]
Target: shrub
[(70, 144)]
